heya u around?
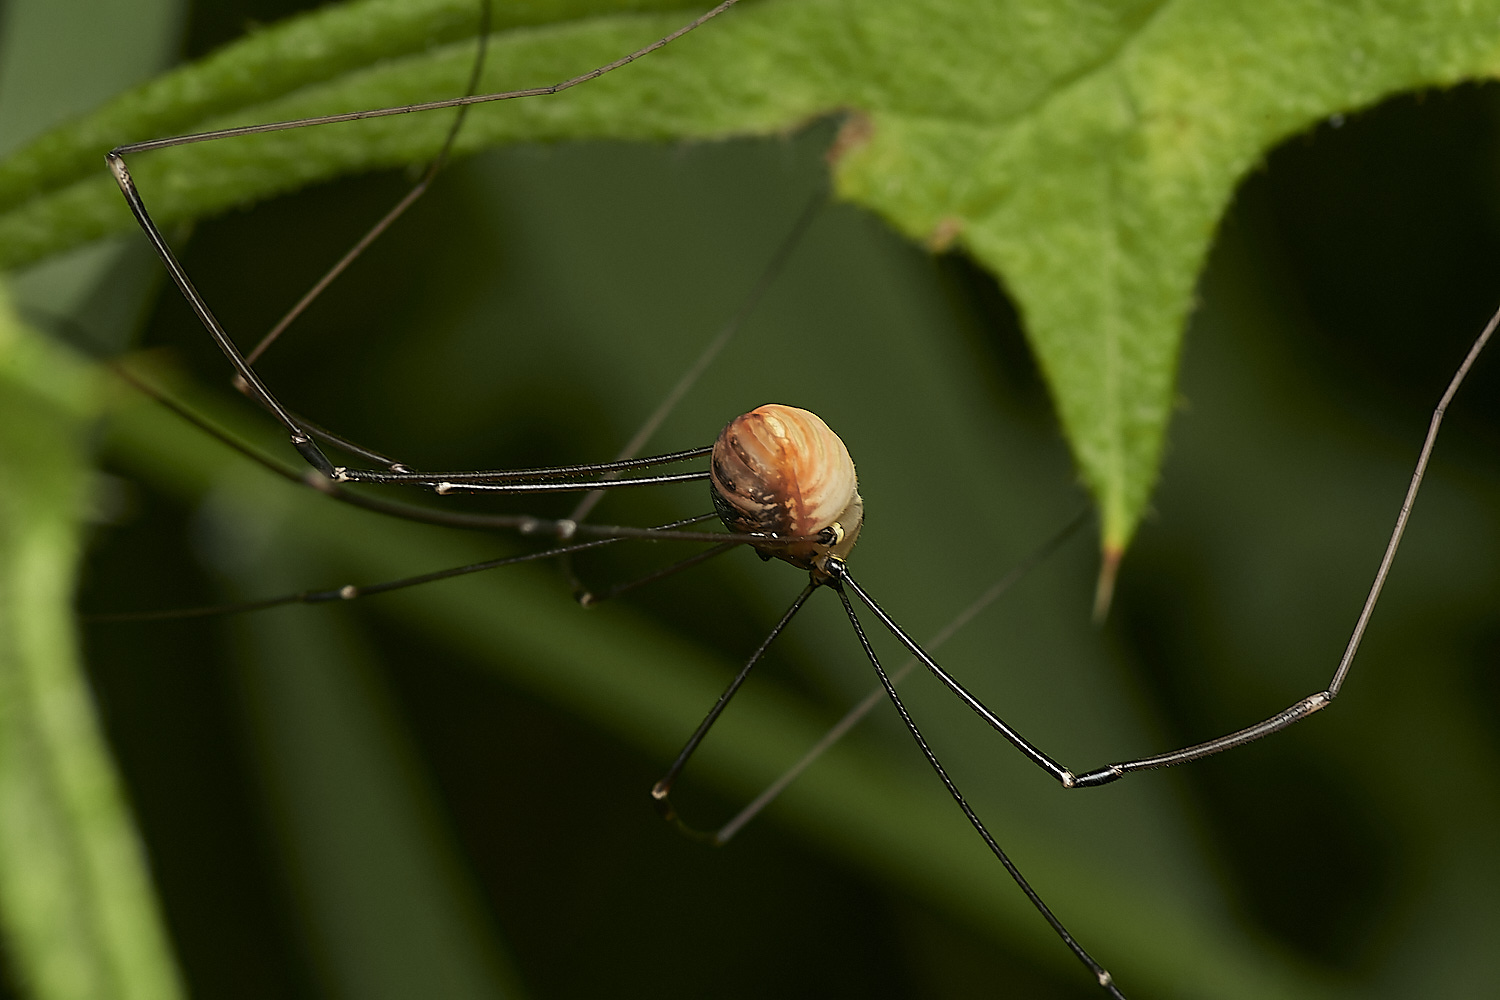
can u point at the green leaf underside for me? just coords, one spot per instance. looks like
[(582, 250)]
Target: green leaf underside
[(76, 902), (300, 52), (1083, 152)]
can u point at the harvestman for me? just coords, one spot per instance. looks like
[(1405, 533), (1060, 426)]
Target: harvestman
[(781, 482)]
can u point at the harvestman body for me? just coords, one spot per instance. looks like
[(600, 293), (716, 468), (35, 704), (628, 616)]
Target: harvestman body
[(781, 482)]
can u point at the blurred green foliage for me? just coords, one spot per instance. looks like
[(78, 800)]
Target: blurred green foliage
[(442, 793), (76, 903)]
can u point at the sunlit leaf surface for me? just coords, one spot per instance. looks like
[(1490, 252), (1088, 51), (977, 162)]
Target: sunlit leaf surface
[(1084, 152)]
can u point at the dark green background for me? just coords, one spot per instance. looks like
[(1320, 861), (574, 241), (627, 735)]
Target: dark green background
[(533, 308)]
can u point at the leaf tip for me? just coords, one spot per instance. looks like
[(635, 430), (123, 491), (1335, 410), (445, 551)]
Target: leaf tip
[(1104, 588)]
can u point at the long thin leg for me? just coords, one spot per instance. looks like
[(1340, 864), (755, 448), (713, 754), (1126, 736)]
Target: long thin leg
[(1099, 972), (999, 725), (301, 440), (304, 444), (867, 704), (695, 371), (715, 346), (328, 437), (389, 219), (525, 524), (483, 477), (689, 378), (1295, 713), (661, 792), (350, 592), (445, 486), (588, 598), (1320, 700), (406, 109)]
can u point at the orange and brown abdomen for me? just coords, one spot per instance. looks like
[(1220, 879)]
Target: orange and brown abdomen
[(781, 471)]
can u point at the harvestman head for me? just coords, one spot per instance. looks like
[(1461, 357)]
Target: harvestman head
[(781, 481)]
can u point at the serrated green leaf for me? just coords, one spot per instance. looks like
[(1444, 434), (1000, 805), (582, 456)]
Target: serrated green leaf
[(302, 51), (1084, 152)]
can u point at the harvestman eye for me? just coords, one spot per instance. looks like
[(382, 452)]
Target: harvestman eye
[(781, 481)]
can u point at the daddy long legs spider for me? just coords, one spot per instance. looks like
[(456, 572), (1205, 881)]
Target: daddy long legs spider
[(1134, 824)]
